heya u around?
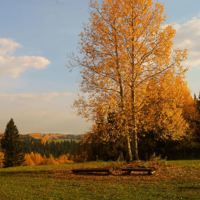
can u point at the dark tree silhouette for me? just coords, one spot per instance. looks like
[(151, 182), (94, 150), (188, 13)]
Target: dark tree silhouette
[(11, 146)]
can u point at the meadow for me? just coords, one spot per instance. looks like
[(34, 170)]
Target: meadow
[(173, 180)]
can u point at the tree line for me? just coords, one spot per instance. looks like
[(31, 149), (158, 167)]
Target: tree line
[(49, 148), (17, 152)]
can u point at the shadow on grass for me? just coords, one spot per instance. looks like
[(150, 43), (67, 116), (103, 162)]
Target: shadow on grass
[(191, 188), (111, 174), (92, 174), (25, 172), (132, 174), (49, 172)]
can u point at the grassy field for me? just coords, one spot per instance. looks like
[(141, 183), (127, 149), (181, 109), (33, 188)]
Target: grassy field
[(175, 180)]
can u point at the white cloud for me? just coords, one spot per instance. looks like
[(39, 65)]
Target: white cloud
[(13, 66), (188, 37), (7, 46)]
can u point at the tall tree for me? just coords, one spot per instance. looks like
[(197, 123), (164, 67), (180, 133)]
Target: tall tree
[(124, 47), (11, 145)]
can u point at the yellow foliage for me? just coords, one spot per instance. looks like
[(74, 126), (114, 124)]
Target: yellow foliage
[(43, 141), (37, 159), (128, 65), (28, 160), (1, 159), (64, 159), (46, 137), (51, 161), (45, 160)]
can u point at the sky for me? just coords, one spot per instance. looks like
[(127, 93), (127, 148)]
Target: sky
[(36, 88)]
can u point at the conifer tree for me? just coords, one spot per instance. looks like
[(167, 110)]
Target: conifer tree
[(11, 146)]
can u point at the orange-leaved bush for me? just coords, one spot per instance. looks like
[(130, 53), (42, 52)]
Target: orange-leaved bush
[(37, 159), (1, 159)]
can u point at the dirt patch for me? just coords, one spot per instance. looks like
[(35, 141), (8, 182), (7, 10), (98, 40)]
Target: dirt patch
[(166, 173)]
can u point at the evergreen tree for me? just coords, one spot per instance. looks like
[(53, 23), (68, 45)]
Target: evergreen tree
[(11, 145)]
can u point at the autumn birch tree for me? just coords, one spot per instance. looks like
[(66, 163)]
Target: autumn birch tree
[(125, 47)]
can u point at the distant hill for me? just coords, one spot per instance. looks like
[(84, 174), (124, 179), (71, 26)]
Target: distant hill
[(55, 144), (51, 136), (48, 136)]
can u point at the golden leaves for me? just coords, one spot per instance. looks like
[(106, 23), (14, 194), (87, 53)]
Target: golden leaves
[(37, 159), (128, 65)]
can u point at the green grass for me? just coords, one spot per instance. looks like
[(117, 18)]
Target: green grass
[(185, 162), (180, 180)]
